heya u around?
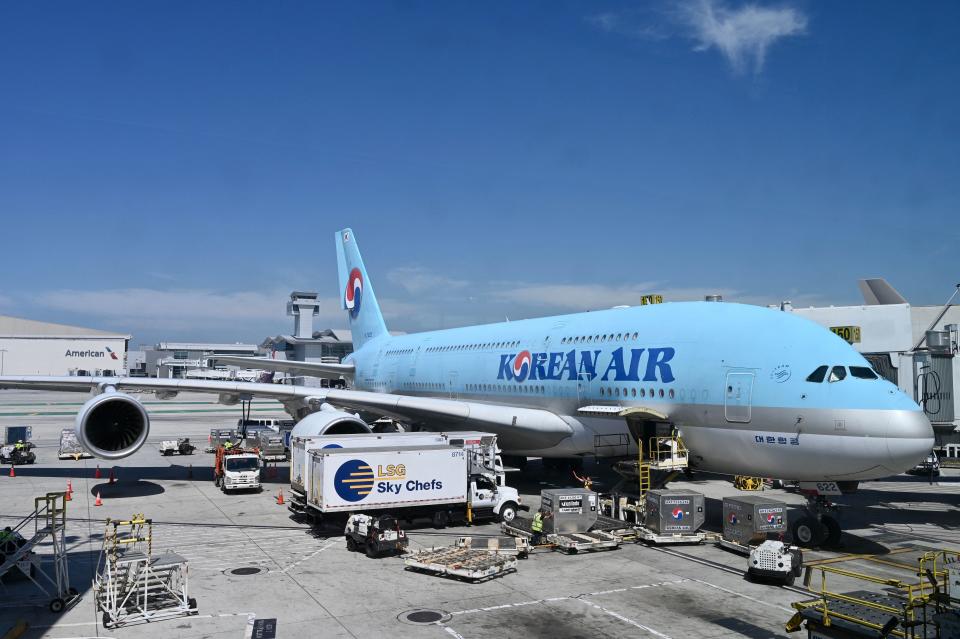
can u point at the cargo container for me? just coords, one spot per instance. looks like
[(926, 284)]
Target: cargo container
[(674, 511), (751, 519), (573, 510)]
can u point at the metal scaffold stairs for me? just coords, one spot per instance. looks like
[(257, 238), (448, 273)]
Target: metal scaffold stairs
[(48, 522), (133, 585)]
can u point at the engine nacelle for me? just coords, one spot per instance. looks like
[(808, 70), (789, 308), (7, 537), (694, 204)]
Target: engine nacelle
[(329, 421), (112, 425)]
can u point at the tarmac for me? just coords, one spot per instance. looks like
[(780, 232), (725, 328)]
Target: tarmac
[(304, 582)]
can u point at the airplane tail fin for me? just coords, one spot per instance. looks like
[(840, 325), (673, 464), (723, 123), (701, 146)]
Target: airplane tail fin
[(879, 291), (356, 292)]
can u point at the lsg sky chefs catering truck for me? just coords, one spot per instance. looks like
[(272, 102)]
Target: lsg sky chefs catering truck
[(432, 481)]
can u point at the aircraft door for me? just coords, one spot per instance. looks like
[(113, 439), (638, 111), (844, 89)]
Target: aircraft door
[(738, 395), (584, 389)]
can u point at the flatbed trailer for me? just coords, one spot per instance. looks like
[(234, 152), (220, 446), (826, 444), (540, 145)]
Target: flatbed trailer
[(466, 563), (571, 542), (660, 539)]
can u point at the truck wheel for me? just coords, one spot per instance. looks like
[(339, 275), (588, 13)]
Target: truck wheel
[(372, 551), (508, 512), (192, 603), (351, 544), (789, 579), (440, 519), (57, 605)]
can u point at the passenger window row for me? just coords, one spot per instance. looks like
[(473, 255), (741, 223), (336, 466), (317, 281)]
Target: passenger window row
[(839, 373), (633, 392), (589, 339), (472, 347)]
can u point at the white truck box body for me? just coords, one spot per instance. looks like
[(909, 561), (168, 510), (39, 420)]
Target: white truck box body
[(301, 447), (345, 479)]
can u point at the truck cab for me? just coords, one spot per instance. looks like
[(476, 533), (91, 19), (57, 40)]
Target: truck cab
[(237, 469), (489, 495)]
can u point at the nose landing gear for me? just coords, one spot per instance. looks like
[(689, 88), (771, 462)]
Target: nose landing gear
[(817, 528)]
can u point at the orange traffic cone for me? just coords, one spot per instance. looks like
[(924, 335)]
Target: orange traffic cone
[(99, 501), (96, 475), (280, 497), (69, 486), (12, 472), (67, 496), (111, 477)]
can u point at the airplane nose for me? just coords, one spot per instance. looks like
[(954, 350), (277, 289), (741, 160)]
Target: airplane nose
[(909, 439)]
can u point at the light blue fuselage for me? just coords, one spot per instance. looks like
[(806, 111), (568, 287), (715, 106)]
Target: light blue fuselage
[(731, 377)]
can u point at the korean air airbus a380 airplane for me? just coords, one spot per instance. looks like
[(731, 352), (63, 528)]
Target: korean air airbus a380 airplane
[(752, 391)]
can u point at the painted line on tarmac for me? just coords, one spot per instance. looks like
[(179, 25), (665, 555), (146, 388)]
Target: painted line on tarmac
[(617, 615), (313, 554), (571, 597), (450, 631), (740, 594)]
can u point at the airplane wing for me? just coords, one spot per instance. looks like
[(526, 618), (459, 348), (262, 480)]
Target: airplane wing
[(519, 428), (313, 369)]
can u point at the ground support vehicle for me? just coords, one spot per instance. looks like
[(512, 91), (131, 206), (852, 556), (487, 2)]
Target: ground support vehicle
[(776, 561), (70, 447), (48, 572), (10, 454), (443, 482), (470, 564), (178, 446), (376, 536), (132, 585), (237, 469)]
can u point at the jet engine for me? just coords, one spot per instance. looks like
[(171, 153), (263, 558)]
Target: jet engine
[(112, 425), (329, 421)]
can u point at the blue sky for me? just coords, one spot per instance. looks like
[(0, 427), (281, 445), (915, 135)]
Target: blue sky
[(164, 164)]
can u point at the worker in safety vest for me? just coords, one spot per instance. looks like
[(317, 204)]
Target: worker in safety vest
[(537, 526), (228, 446), (18, 445)]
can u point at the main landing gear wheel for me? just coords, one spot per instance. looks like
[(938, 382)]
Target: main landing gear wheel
[(833, 533), (809, 532)]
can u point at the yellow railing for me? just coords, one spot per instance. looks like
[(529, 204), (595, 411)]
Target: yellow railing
[(913, 595)]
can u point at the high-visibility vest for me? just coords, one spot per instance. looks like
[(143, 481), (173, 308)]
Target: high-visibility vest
[(537, 525)]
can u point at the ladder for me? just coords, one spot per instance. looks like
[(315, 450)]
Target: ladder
[(643, 471), (49, 520), (133, 585)]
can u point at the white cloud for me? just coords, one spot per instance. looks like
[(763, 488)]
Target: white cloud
[(416, 279), (743, 35)]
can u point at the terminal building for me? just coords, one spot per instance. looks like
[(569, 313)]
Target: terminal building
[(191, 359), (31, 347)]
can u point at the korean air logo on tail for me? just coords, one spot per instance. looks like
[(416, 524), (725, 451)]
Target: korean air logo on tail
[(354, 480), (354, 292), (111, 353), (521, 366)]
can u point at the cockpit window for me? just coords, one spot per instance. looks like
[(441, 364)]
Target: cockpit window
[(838, 373), (862, 372), (818, 375)]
